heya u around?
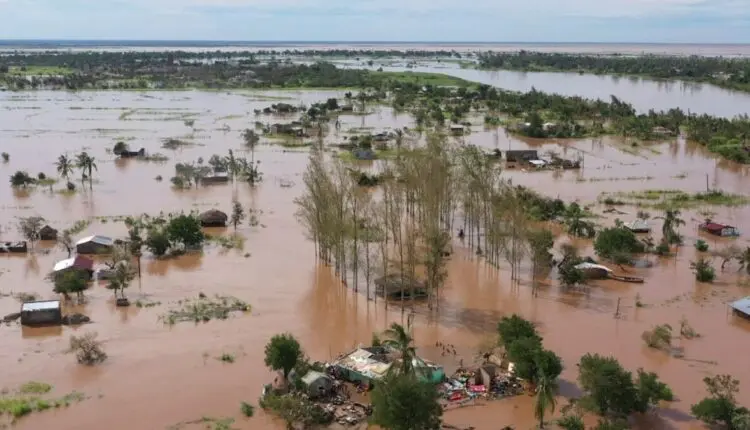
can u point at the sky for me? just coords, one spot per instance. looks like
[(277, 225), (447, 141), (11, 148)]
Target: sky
[(605, 21)]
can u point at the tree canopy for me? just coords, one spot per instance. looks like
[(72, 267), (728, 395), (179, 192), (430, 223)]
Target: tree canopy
[(611, 392), (282, 353), (403, 402)]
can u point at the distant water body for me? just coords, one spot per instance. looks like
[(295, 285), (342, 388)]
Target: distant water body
[(727, 50)]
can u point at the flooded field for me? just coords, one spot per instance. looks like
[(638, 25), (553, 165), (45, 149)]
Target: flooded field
[(159, 376)]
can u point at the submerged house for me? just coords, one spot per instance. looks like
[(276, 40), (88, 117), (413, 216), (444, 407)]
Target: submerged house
[(214, 218), (317, 384), (371, 364), (78, 262), (130, 154), (94, 245), (47, 233), (43, 312), (458, 130), (638, 226), (215, 178), (741, 307), (13, 247), (717, 229), (518, 155)]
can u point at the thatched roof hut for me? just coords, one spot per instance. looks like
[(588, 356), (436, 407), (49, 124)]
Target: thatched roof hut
[(47, 233), (214, 218)]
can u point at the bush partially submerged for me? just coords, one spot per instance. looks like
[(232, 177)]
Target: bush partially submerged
[(296, 409), (30, 397), (87, 348), (204, 309)]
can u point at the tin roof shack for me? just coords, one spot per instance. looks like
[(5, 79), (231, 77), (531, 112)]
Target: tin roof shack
[(519, 155), (44, 312), (94, 245), (638, 226), (717, 229), (362, 365), (79, 262), (47, 233), (594, 271), (372, 364), (741, 307), (215, 178), (318, 385)]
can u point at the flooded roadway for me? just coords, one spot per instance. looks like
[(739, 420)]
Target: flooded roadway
[(159, 376)]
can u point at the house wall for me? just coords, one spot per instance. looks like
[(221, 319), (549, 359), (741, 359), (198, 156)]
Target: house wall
[(41, 317), (91, 248)]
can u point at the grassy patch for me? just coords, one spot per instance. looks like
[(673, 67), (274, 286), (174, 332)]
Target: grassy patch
[(664, 199), (146, 303), (40, 71), (174, 143), (30, 397), (204, 309), (234, 241)]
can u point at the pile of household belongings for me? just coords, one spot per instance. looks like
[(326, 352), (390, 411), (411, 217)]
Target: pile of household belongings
[(465, 386)]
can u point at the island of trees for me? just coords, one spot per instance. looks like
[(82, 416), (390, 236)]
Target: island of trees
[(732, 73)]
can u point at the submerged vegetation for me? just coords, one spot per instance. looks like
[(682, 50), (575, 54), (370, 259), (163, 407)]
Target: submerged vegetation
[(204, 309), (32, 397), (676, 199)]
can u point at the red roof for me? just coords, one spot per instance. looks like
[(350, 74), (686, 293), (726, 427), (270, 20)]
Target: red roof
[(84, 263), (714, 226)]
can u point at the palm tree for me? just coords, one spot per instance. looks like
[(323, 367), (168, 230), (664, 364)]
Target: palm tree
[(546, 389), (672, 222), (87, 164), (577, 226), (64, 167), (398, 338), (250, 139)]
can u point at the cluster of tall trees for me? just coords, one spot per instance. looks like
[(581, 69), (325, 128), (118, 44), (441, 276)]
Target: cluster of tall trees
[(405, 228)]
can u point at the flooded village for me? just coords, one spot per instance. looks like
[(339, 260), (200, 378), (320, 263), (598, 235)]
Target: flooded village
[(265, 258)]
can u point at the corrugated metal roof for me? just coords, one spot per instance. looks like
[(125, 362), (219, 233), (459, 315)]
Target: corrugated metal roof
[(64, 264), (101, 240), (638, 224), (79, 261), (742, 305), (313, 376), (592, 266), (40, 305)]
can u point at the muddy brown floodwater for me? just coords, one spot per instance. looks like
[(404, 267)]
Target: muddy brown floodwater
[(159, 376)]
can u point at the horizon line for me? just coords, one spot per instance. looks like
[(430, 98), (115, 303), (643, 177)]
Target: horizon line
[(354, 42)]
